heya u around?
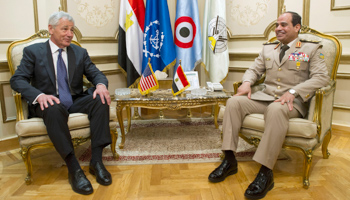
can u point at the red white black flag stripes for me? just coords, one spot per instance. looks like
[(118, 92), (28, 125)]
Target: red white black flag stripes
[(180, 82), (130, 44)]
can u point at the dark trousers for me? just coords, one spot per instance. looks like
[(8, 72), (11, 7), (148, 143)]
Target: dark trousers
[(56, 117)]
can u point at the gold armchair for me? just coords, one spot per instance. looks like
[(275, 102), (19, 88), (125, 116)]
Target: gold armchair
[(305, 134), (32, 132)]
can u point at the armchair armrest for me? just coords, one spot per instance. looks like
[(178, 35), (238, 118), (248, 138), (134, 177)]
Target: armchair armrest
[(323, 109), (19, 106), (256, 86), (236, 86)]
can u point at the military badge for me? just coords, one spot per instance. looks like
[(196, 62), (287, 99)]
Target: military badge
[(299, 56), (277, 45), (321, 56)]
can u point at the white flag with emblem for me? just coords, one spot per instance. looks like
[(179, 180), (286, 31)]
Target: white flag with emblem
[(215, 40)]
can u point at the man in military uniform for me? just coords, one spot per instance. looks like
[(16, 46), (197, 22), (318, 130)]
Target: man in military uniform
[(294, 69)]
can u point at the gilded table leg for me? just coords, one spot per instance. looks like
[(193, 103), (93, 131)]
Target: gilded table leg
[(189, 113), (161, 114), (121, 125), (114, 142), (136, 114), (128, 112)]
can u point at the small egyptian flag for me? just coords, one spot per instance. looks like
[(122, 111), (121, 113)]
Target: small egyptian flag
[(180, 82)]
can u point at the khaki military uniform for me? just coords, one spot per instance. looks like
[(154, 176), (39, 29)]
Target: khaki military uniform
[(302, 68)]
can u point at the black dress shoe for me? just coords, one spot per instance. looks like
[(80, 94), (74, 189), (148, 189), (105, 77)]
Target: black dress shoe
[(260, 186), (80, 184), (224, 170), (103, 177)]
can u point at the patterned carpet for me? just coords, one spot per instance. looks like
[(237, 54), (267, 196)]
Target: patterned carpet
[(170, 141)]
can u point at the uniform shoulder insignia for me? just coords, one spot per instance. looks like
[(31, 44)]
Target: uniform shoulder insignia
[(274, 42), (311, 41)]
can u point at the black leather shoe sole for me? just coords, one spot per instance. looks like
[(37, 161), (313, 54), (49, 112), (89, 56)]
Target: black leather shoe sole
[(222, 178), (262, 195), (99, 180)]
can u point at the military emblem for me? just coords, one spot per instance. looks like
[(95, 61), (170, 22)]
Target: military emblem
[(128, 21), (217, 35), (185, 32), (154, 38), (321, 56)]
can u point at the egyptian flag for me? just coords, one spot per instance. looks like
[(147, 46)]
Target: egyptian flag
[(180, 82), (131, 25)]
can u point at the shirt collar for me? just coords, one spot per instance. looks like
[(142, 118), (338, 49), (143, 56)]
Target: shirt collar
[(54, 48), (291, 43)]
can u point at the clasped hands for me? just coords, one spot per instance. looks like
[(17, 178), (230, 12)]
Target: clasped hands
[(101, 90), (285, 98)]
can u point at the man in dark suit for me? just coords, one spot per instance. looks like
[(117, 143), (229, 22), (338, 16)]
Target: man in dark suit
[(50, 78), (294, 69)]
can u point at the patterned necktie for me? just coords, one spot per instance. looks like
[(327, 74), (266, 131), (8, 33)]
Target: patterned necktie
[(62, 81), (284, 48)]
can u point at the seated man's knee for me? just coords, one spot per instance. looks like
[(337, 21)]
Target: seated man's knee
[(276, 108), (235, 101), (98, 101), (55, 109)]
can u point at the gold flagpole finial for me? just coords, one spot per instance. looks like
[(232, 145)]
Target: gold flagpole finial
[(180, 62), (149, 60)]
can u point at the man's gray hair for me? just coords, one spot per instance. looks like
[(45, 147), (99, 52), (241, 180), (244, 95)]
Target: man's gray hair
[(55, 18)]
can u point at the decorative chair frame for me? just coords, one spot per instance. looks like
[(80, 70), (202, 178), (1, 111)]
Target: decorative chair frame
[(25, 150), (324, 126)]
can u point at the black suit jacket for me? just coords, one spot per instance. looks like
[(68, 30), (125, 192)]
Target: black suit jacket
[(36, 73)]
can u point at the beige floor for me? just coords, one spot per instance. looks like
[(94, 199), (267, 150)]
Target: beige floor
[(329, 178)]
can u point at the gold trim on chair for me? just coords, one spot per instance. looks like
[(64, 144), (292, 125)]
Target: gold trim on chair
[(323, 129), (31, 145)]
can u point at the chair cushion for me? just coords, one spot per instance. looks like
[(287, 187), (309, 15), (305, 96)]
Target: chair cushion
[(36, 127), (298, 127)]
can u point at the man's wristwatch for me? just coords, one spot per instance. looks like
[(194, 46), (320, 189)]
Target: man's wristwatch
[(293, 92)]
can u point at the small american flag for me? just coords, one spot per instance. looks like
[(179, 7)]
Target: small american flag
[(148, 81)]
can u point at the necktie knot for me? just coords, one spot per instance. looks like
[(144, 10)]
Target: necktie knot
[(284, 48), (60, 52)]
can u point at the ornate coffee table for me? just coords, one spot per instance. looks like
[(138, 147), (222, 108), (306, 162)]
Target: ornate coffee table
[(164, 99)]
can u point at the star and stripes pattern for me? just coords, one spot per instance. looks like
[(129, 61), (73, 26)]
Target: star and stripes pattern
[(148, 81)]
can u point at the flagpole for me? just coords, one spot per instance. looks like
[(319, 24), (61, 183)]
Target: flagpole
[(148, 63)]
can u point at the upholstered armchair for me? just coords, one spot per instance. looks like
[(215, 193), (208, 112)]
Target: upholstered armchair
[(32, 132), (309, 133)]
